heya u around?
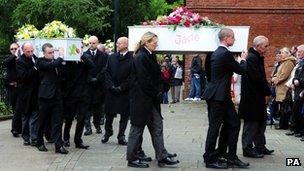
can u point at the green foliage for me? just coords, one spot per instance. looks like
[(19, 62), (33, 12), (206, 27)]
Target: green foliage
[(6, 29), (4, 109), (86, 16), (161, 7), (134, 12)]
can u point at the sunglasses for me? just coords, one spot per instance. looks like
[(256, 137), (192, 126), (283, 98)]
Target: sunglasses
[(14, 48)]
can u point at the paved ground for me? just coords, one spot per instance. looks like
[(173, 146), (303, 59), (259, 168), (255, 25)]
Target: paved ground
[(185, 127)]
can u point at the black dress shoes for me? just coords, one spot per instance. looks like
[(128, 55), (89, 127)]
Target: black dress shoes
[(42, 148), (88, 132), (265, 151), (98, 130), (34, 143), (15, 133), (167, 162), (106, 137), (61, 150), (302, 139), (138, 164), (252, 153), (145, 158), (172, 155), (237, 163), (66, 143), (298, 135), (82, 146), (122, 141), (26, 143), (217, 165), (290, 133)]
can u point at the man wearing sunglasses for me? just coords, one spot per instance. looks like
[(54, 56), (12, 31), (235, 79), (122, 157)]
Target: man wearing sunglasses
[(11, 86)]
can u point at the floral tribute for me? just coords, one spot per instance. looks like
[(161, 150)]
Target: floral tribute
[(55, 29), (26, 32), (182, 16)]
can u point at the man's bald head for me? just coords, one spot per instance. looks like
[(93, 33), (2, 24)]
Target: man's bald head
[(28, 49), (122, 44), (93, 42)]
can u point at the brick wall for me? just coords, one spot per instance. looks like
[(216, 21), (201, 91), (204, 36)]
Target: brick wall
[(282, 21)]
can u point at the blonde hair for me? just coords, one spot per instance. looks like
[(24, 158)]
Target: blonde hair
[(147, 37), (286, 50)]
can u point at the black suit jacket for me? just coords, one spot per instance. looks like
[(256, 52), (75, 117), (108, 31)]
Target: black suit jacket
[(11, 71), (100, 60), (28, 81), (219, 69), (76, 77), (51, 78)]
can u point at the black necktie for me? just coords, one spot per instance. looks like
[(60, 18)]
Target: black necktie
[(93, 53)]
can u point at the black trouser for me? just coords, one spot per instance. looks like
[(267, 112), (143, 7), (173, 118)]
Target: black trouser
[(296, 120), (221, 112), (98, 112), (50, 109), (156, 130), (122, 125), (284, 114), (73, 107), (254, 132), (222, 143), (17, 118)]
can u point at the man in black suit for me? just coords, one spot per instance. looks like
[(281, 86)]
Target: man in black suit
[(50, 97), (220, 68), (11, 86), (76, 98), (255, 95), (27, 101), (96, 79), (118, 84)]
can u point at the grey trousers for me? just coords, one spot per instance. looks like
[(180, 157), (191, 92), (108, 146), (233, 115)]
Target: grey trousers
[(156, 131), (254, 133)]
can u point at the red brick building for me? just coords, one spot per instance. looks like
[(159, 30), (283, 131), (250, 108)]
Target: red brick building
[(282, 21)]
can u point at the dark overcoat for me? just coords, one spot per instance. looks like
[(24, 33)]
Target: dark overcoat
[(28, 82), (146, 87), (118, 74), (254, 89), (96, 76), (11, 72)]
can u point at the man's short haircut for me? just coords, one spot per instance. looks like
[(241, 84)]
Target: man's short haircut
[(44, 46), (224, 32), (259, 40)]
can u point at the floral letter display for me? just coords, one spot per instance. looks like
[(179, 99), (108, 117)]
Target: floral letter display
[(184, 31)]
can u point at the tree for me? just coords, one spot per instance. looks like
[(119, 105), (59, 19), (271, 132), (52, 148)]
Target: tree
[(86, 16), (6, 29)]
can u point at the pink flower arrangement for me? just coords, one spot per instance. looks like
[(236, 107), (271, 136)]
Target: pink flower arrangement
[(182, 16)]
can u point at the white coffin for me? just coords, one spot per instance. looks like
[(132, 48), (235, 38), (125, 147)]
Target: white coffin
[(183, 40), (69, 44)]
